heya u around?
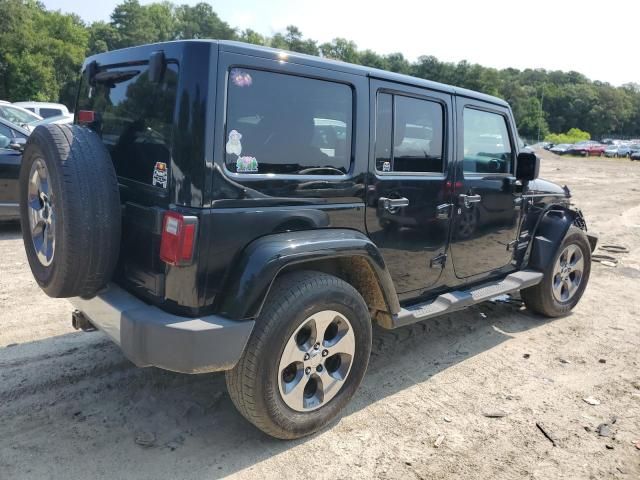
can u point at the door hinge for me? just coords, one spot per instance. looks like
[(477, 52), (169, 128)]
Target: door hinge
[(438, 261), (511, 245)]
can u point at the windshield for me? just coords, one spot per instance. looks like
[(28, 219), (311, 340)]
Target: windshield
[(17, 115)]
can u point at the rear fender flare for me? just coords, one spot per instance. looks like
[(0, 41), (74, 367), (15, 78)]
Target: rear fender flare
[(253, 273)]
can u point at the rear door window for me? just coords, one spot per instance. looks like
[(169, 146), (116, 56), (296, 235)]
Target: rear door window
[(286, 124), (409, 135), (134, 117)]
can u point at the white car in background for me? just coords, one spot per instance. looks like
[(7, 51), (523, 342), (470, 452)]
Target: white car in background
[(57, 120), (44, 109), (17, 115)]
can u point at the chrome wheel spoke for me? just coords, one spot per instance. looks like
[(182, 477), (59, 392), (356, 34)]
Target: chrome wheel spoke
[(322, 321), (293, 391), (330, 384), (557, 286)]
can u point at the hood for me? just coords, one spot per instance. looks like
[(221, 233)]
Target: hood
[(541, 186)]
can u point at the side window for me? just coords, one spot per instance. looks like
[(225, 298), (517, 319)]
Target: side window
[(409, 135), (384, 131), (6, 135), (286, 124), (50, 112), (6, 131), (487, 147)]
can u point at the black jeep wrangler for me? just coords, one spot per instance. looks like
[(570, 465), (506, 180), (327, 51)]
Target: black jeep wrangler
[(221, 206)]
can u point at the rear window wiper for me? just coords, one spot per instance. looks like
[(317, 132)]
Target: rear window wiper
[(112, 78)]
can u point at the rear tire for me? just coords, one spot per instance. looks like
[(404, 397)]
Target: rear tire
[(546, 300), (265, 393), (69, 210)]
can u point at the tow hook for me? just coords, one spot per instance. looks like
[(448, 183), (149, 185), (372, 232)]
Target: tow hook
[(80, 322)]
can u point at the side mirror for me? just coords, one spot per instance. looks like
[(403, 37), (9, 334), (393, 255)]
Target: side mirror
[(18, 144), (528, 166)]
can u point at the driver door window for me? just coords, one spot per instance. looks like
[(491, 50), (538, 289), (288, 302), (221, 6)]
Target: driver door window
[(487, 146)]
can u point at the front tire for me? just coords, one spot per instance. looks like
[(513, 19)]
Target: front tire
[(306, 356), (565, 278)]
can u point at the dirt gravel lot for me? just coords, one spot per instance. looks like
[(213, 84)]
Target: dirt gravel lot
[(71, 406)]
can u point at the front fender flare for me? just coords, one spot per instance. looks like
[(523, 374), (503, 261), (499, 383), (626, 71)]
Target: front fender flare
[(252, 274), (550, 230)]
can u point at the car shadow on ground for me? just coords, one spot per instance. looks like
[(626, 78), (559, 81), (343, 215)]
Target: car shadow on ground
[(82, 387), (10, 230)]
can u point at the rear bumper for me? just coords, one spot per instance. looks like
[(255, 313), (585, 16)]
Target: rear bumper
[(149, 336), (9, 211)]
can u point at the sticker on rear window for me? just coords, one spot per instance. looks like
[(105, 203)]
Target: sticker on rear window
[(386, 167), (246, 164), (240, 78), (234, 147), (160, 175)]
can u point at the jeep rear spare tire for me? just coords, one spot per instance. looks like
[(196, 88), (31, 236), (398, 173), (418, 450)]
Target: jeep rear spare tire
[(69, 210)]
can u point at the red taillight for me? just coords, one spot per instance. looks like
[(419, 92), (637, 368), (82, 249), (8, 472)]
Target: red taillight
[(178, 239), (86, 116)]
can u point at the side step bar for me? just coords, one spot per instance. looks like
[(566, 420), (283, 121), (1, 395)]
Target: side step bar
[(460, 299)]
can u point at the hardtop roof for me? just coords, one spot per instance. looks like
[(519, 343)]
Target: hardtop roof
[(319, 62)]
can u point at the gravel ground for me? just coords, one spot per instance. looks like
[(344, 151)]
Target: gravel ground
[(72, 407)]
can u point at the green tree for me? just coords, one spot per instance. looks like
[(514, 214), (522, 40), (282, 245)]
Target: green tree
[(340, 49), (201, 21), (574, 135), (251, 36), (39, 51)]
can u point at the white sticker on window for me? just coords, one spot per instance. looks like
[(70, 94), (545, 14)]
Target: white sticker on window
[(246, 164), (386, 167), (160, 175), (233, 145), (240, 78)]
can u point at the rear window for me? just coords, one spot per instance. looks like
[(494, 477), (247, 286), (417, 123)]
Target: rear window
[(50, 112), (134, 117), (286, 124)]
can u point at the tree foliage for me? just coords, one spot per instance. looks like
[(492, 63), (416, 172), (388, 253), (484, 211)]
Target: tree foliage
[(41, 51), (574, 135)]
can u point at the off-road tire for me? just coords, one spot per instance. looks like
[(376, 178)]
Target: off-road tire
[(540, 298), (253, 382), (87, 220)]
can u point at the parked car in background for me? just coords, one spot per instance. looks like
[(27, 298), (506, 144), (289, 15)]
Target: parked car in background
[(624, 151), (561, 148), (17, 115), (634, 152), (12, 140), (588, 149), (57, 120), (617, 151), (44, 109)]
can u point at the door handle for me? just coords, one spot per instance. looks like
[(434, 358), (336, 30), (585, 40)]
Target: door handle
[(467, 200), (393, 203)]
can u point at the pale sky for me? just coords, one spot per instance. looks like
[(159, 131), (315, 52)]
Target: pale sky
[(600, 39)]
